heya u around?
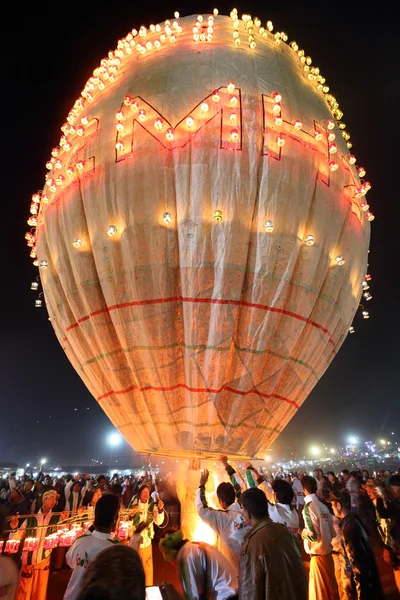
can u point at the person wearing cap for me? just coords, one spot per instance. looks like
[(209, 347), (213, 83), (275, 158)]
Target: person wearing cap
[(359, 572), (145, 510), (35, 569), (388, 518), (317, 535)]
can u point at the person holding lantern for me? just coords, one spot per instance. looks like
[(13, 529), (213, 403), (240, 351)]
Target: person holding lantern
[(35, 569), (145, 510)]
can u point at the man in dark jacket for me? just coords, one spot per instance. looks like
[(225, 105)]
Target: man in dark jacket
[(271, 566), (360, 576)]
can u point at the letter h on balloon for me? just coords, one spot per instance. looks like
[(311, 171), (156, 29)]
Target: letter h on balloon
[(277, 131)]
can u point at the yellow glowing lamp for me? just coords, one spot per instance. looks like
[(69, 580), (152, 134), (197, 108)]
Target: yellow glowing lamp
[(217, 216)]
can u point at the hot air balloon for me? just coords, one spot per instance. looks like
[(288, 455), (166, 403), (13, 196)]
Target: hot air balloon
[(202, 235)]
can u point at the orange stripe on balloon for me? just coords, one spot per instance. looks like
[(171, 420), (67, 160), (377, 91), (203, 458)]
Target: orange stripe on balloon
[(202, 300), (195, 390)]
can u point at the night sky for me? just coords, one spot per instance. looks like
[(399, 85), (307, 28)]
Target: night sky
[(48, 52)]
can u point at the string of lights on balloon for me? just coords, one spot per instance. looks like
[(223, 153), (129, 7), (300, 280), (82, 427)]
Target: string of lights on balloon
[(152, 39)]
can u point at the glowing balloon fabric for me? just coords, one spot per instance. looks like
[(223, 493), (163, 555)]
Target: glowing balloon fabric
[(199, 335)]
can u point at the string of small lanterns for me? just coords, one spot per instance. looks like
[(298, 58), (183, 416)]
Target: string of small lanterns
[(149, 39)]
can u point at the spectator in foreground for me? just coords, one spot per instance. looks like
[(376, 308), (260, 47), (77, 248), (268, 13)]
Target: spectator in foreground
[(85, 548), (317, 535), (359, 572), (35, 569), (227, 523), (205, 572), (8, 570), (271, 565), (115, 574), (388, 514)]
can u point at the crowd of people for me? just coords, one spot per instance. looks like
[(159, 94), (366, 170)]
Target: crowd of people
[(280, 536)]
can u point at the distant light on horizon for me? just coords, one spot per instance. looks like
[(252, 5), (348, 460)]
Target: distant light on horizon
[(314, 450), (114, 439), (353, 439)]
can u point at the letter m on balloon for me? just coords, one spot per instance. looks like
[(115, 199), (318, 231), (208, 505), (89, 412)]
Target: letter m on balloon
[(220, 111)]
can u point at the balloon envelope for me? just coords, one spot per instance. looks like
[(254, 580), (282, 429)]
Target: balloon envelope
[(193, 235)]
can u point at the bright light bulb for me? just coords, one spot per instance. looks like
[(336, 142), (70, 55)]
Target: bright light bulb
[(331, 136), (114, 439), (280, 141), (370, 216), (231, 87), (119, 146), (176, 14), (340, 260), (119, 126), (217, 216), (215, 96), (318, 135), (268, 226), (298, 124), (190, 122), (233, 118), (233, 101), (332, 148), (142, 115), (119, 115), (277, 97), (278, 121), (276, 109), (314, 450), (330, 124), (364, 206), (351, 329), (169, 134), (167, 218), (77, 243), (365, 314), (204, 107), (43, 264), (352, 159), (158, 124), (361, 172), (234, 135), (309, 240), (34, 285), (333, 166), (112, 230), (367, 296)]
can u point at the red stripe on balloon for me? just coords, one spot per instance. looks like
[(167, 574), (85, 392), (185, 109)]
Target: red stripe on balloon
[(202, 300), (197, 391)]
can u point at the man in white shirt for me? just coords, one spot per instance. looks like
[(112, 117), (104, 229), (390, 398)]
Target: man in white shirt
[(35, 569), (85, 548), (227, 523), (317, 535), (279, 495), (299, 494), (205, 572)]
